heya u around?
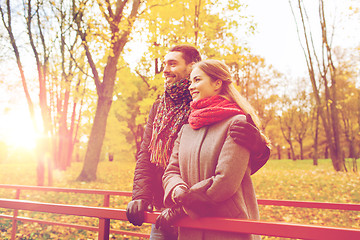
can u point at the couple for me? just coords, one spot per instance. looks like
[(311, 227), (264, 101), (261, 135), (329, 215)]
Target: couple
[(209, 147)]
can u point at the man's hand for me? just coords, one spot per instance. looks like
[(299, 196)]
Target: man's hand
[(247, 135), (169, 216), (135, 211)]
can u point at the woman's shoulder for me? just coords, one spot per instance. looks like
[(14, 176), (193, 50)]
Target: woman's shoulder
[(223, 125), (238, 117)]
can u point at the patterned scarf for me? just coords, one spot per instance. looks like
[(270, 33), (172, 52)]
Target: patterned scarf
[(211, 110), (171, 115)]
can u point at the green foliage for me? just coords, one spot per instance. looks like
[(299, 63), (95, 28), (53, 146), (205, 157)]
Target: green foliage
[(278, 179), (128, 115)]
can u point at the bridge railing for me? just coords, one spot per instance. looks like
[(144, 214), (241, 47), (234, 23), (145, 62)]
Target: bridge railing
[(105, 214)]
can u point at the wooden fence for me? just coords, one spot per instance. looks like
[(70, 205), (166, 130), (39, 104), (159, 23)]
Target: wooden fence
[(105, 214)]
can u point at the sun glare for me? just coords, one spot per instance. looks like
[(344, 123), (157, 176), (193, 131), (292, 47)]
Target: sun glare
[(17, 130)]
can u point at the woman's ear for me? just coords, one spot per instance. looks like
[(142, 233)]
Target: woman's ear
[(218, 84)]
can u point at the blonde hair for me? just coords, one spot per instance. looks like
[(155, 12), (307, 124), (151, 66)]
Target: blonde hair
[(217, 70)]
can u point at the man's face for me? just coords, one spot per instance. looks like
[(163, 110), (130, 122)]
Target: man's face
[(175, 68)]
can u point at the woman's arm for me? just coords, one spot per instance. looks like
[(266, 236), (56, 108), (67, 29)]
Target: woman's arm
[(232, 164), (172, 177)]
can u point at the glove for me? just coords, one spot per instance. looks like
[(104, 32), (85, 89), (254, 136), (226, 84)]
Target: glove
[(178, 193), (135, 211), (248, 135), (169, 216), (197, 201)]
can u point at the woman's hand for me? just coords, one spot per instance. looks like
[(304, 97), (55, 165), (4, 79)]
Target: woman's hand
[(169, 216)]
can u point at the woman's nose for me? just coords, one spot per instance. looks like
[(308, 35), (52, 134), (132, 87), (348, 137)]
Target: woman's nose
[(191, 86)]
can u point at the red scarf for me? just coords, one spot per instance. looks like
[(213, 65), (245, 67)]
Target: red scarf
[(211, 110)]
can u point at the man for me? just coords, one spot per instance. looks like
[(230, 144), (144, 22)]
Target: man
[(166, 118)]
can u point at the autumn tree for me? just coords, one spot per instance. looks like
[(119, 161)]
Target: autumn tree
[(41, 56), (322, 65), (314, 128), (346, 62), (60, 82), (287, 121), (127, 116), (301, 115), (256, 81), (112, 30), (67, 84), (161, 26)]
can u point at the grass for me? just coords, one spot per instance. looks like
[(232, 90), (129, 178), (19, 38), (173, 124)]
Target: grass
[(279, 179)]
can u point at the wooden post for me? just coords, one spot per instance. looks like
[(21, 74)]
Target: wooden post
[(104, 228), (104, 224), (15, 214)]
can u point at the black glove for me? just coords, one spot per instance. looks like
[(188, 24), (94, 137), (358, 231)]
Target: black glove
[(135, 211), (196, 200), (198, 203), (179, 193), (169, 216), (248, 135)]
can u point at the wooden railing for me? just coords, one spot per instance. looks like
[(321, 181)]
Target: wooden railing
[(104, 214)]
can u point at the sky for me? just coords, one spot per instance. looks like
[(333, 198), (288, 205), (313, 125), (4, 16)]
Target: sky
[(276, 38), (277, 41)]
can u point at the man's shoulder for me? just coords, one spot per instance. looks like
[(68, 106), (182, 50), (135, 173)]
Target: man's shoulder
[(155, 106), (156, 103)]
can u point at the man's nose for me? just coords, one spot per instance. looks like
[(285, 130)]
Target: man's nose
[(166, 68)]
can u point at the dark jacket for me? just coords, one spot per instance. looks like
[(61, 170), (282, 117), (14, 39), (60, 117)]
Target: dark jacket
[(148, 177)]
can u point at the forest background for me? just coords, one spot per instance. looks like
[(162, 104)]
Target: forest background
[(88, 98)]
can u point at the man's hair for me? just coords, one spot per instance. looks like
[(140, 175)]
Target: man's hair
[(189, 53)]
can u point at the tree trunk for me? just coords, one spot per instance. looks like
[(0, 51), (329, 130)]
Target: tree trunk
[(301, 150), (278, 148), (316, 138), (292, 151), (97, 135), (354, 164), (351, 149), (326, 152)]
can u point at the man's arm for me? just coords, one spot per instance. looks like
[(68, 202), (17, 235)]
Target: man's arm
[(247, 135), (142, 194)]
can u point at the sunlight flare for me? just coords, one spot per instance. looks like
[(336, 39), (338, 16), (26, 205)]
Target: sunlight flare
[(17, 129)]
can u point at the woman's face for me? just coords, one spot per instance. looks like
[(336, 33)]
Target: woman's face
[(202, 86)]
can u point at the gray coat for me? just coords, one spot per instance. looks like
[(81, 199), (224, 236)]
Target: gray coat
[(210, 154)]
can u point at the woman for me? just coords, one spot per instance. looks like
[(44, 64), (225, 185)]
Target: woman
[(208, 173)]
